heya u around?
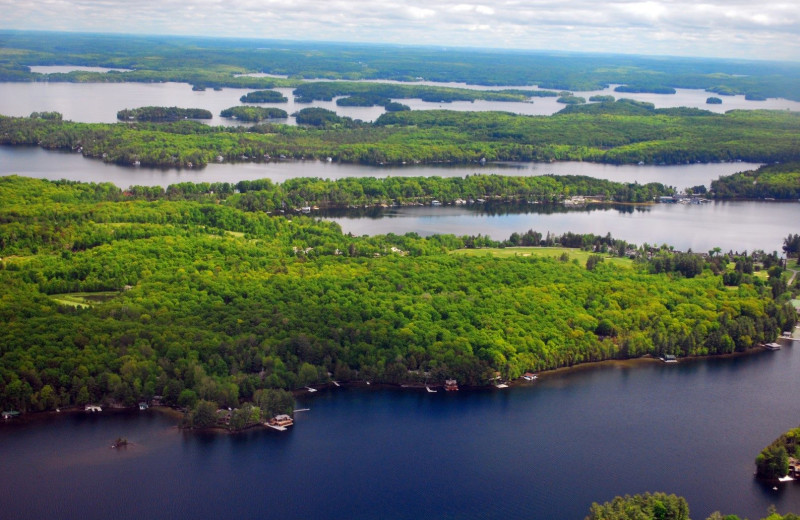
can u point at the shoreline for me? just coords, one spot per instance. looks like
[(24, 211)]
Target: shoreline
[(178, 415)]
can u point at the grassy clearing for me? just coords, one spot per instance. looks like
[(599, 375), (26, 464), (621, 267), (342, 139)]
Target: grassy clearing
[(551, 252), (83, 299)]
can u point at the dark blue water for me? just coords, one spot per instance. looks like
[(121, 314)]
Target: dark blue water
[(543, 451)]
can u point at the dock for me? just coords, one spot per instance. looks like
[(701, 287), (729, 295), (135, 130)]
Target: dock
[(429, 390), (311, 389), (772, 346), (501, 385), (275, 427)]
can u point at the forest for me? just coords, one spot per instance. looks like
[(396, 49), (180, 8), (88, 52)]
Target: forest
[(217, 63), (108, 296), (775, 181), (620, 132)]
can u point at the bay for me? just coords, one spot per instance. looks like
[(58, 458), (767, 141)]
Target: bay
[(544, 450)]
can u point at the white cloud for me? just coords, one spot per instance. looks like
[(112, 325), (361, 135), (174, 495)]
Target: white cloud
[(728, 28)]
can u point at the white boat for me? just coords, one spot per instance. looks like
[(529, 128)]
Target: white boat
[(501, 385), (311, 389)]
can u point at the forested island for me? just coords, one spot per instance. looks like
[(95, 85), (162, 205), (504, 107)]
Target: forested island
[(381, 93), (110, 297), (161, 114), (264, 96), (254, 114), (215, 63), (610, 132)]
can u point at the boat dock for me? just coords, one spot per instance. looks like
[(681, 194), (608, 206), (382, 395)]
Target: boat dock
[(772, 346)]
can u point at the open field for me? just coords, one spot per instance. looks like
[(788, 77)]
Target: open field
[(551, 252)]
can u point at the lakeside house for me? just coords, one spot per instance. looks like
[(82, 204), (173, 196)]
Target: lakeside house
[(451, 385), (281, 420)]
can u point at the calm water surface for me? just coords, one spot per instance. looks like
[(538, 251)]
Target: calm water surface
[(547, 450), (736, 226), (36, 162), (99, 102)]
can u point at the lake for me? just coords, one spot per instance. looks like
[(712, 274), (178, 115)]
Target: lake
[(734, 226), (737, 226), (100, 102), (32, 161), (546, 450)]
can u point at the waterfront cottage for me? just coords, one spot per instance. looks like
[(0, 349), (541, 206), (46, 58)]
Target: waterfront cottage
[(281, 420)]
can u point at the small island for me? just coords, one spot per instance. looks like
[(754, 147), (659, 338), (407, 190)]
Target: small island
[(264, 96), (713, 101), (780, 461), (567, 98), (162, 114), (602, 99), (254, 114)]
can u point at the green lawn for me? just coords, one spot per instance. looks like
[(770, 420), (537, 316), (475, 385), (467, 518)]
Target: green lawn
[(83, 299), (553, 252)]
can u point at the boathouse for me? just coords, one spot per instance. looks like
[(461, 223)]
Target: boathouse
[(451, 385)]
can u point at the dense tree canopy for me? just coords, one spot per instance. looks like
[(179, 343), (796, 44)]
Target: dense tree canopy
[(112, 296), (776, 181)]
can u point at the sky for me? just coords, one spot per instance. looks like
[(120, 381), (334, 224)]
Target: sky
[(766, 29)]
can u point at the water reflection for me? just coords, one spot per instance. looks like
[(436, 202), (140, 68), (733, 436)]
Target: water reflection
[(732, 226)]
